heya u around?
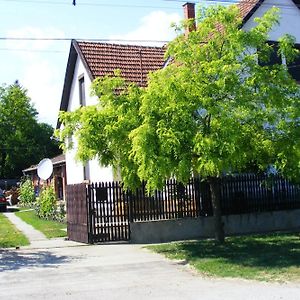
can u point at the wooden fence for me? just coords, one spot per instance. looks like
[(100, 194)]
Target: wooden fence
[(103, 211), (246, 193), (249, 193), (174, 201), (77, 213)]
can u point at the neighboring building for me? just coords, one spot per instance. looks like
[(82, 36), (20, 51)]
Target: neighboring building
[(58, 177), (87, 61), (289, 23)]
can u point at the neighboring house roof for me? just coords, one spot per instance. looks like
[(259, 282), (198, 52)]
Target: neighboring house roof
[(56, 161), (100, 59), (249, 7)]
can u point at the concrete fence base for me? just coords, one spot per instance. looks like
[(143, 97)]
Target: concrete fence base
[(182, 229)]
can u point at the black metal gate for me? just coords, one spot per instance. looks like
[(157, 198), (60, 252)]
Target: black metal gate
[(108, 213)]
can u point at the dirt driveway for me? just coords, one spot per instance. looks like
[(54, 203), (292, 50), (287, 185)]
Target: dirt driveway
[(120, 271)]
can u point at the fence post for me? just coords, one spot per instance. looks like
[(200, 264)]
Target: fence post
[(89, 212), (129, 205)]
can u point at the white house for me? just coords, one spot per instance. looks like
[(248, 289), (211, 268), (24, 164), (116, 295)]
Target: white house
[(88, 60)]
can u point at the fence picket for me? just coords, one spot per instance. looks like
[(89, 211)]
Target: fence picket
[(101, 212)]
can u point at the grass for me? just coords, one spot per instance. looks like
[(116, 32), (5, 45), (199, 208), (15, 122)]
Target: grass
[(272, 257), (10, 236), (51, 229)]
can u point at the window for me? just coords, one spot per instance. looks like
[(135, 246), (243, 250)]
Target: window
[(294, 67), (274, 57), (81, 91), (86, 171)]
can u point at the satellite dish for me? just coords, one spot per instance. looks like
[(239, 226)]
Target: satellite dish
[(45, 168)]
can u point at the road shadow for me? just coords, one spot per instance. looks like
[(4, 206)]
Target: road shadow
[(14, 260)]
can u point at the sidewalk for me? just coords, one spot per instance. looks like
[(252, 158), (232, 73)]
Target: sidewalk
[(36, 238)]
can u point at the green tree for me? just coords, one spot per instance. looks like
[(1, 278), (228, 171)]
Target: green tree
[(102, 130), (212, 110), (215, 110), (23, 141)]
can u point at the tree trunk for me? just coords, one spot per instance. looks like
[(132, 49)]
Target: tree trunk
[(215, 189)]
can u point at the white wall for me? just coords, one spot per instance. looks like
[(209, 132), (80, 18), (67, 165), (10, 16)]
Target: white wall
[(74, 168), (99, 174), (289, 19)]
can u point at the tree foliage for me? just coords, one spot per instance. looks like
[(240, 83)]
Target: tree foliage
[(214, 109), (102, 130), (27, 194), (23, 141)]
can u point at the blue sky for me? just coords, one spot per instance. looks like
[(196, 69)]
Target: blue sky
[(40, 65)]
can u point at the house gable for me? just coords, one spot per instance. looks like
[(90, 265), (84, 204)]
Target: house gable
[(289, 16), (100, 59), (248, 7)]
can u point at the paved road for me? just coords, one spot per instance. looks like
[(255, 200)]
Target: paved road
[(122, 271)]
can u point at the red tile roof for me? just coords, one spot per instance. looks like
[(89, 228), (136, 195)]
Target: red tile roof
[(247, 6), (135, 62), (57, 160)]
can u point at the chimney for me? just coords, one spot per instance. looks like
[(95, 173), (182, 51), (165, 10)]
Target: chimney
[(189, 13)]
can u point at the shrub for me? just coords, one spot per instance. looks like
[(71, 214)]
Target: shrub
[(46, 203), (47, 207), (27, 195)]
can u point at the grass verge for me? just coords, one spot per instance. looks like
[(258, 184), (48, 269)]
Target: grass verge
[(10, 236), (272, 257), (51, 229)]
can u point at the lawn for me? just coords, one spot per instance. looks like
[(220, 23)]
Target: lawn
[(273, 257), (51, 229), (10, 236)]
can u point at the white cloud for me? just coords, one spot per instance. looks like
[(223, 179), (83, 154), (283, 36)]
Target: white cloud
[(156, 26), (41, 75), (41, 79)]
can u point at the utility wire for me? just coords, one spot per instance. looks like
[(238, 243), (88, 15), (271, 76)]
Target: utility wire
[(79, 39), (32, 50), (88, 4), (81, 3), (211, 2)]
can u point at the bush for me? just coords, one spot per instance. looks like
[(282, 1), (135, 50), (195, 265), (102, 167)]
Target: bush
[(27, 195), (46, 203), (47, 206)]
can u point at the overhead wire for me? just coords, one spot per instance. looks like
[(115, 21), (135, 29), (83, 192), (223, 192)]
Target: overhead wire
[(275, 3), (115, 5), (88, 4), (31, 50), (78, 39), (82, 3)]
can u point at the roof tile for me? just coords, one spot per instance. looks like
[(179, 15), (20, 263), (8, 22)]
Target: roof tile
[(134, 62), (246, 6)]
